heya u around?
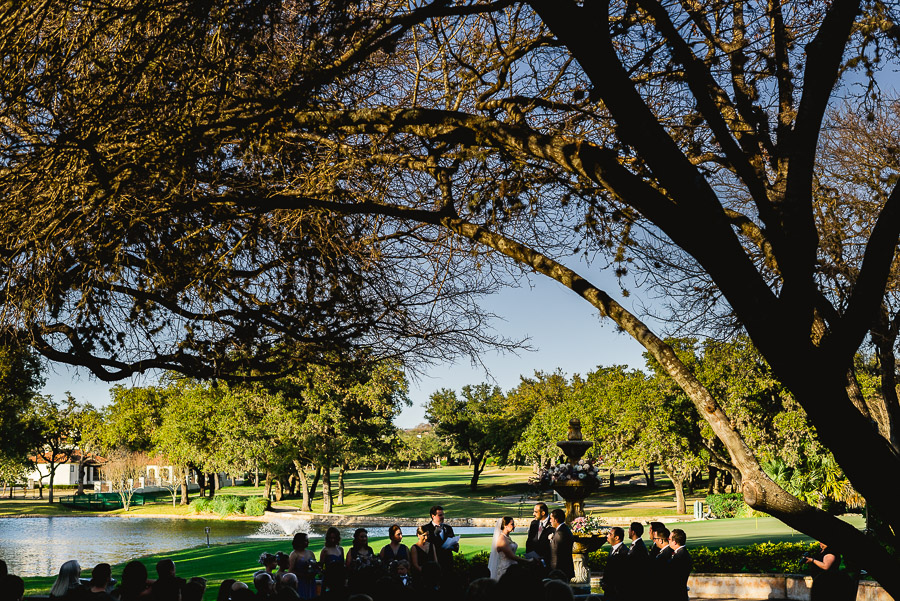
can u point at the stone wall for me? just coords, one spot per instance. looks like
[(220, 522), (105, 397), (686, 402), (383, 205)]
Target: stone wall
[(794, 587)]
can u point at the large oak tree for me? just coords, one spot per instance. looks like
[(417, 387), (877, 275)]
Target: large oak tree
[(187, 185)]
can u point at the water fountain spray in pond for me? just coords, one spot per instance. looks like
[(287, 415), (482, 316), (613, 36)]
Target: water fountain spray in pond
[(284, 526)]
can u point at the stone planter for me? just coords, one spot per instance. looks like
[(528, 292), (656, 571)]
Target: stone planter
[(584, 545)]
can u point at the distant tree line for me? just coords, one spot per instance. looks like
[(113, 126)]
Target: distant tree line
[(641, 419)]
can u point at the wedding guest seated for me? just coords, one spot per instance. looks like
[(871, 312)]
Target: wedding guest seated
[(194, 589), (134, 586), (12, 588), (98, 588), (242, 592), (394, 550), (165, 568), (167, 584), (287, 580), (264, 584), (68, 581), (360, 554), (283, 561), (286, 594), (3, 569), (268, 562), (482, 589), (225, 590), (557, 590)]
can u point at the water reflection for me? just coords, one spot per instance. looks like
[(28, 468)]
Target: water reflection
[(38, 546)]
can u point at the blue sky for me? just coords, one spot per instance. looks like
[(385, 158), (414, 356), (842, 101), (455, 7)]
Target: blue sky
[(565, 331)]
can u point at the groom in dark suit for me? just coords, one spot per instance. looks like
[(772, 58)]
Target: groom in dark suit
[(438, 532), (539, 533), (561, 543)]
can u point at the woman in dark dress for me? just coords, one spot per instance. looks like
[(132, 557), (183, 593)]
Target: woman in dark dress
[(395, 550), (360, 554), (421, 553), (828, 581)]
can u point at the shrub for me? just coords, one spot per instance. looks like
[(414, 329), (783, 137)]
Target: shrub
[(227, 504), (256, 506), (726, 505), (761, 558), (200, 505)]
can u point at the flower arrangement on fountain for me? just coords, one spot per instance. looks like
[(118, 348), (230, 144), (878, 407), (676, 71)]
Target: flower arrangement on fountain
[(584, 471), (587, 526)]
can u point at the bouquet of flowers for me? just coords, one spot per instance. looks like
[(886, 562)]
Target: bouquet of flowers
[(584, 470), (585, 526)]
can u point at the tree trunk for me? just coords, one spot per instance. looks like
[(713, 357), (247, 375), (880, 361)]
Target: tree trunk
[(478, 464), (678, 482), (80, 489), (201, 482), (304, 486), (340, 499), (217, 483), (268, 488), (884, 334), (689, 484), (326, 489), (184, 486), (315, 483), (713, 480), (292, 485), (279, 489), (651, 470), (612, 478), (256, 474), (52, 476), (211, 484)]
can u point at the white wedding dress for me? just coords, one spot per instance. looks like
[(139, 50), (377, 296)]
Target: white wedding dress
[(498, 562)]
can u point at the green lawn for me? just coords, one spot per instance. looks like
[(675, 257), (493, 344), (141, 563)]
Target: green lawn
[(410, 493)]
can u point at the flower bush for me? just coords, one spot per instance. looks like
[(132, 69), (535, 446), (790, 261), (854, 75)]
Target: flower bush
[(585, 470)]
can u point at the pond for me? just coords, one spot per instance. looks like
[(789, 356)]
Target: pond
[(38, 546)]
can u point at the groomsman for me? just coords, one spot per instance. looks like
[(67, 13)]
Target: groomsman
[(539, 533), (655, 528), (679, 566), (664, 551), (438, 532), (638, 550), (561, 543), (616, 576)]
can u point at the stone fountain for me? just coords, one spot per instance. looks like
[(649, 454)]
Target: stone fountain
[(575, 492)]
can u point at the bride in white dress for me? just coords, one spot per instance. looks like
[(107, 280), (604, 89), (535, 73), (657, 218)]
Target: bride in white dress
[(503, 548)]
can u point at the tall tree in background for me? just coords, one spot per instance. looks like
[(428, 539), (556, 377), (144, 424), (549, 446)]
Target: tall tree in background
[(20, 381), (255, 179), (59, 435), (481, 423)]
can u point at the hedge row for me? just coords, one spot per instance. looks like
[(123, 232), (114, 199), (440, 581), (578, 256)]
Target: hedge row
[(229, 504), (761, 558)]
